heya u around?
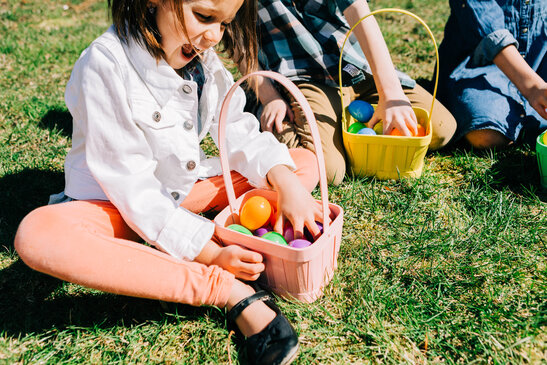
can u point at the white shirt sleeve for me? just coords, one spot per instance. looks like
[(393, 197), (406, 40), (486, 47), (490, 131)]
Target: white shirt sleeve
[(121, 161)]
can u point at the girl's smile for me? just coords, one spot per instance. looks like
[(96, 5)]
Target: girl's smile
[(204, 24)]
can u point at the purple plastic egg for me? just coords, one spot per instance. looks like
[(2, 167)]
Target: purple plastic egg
[(262, 231), (288, 233), (299, 243)]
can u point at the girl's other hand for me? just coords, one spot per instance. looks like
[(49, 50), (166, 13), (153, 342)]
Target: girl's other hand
[(396, 114), (243, 263), (274, 113)]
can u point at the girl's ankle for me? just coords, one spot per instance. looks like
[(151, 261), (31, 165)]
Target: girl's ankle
[(256, 316)]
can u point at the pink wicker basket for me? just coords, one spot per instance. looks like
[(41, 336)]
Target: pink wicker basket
[(299, 273)]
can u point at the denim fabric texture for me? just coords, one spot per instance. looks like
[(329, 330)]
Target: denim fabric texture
[(302, 40), (477, 93)]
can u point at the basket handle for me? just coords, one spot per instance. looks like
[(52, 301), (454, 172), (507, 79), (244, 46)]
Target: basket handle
[(310, 118), (379, 11)]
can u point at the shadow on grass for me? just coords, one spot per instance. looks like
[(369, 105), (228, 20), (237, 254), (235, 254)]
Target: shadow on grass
[(58, 119), (21, 193), (34, 303), (514, 168), (31, 302)]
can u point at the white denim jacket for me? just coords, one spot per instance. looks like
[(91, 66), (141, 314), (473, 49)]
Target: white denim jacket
[(136, 140)]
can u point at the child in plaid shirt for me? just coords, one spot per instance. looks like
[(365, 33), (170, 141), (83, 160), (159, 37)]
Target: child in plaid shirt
[(302, 40)]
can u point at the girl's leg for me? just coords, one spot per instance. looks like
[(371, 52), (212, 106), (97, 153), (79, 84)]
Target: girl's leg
[(88, 243), (210, 195)]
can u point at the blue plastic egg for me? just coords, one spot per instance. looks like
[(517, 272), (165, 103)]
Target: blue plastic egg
[(367, 131), (361, 110)]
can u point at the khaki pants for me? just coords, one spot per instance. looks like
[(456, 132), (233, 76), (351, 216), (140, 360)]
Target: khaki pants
[(325, 103)]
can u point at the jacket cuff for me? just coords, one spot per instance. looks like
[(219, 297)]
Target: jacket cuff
[(279, 156), (491, 45), (185, 234)]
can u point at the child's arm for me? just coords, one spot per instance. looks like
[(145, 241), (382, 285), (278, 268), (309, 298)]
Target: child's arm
[(394, 108), (275, 107), (529, 83), (294, 202)]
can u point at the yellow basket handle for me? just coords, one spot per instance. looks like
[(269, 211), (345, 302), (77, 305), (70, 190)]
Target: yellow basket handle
[(389, 10)]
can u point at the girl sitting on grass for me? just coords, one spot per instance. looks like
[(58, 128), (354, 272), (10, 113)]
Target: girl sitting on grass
[(142, 97)]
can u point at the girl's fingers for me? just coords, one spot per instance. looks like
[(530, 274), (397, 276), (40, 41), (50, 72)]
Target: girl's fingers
[(298, 228), (251, 257), (251, 269), (313, 228)]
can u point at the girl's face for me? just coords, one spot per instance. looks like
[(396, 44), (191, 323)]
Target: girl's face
[(204, 20)]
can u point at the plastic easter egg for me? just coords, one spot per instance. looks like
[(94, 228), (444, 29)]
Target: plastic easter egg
[(262, 231), (288, 233), (367, 131), (275, 237), (421, 131), (545, 138), (379, 128), (240, 229), (361, 110), (299, 243), (255, 212), (356, 127)]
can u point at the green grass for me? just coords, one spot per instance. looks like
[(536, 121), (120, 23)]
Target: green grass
[(446, 268)]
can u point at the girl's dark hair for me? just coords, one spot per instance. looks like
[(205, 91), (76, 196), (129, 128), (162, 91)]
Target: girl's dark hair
[(132, 19)]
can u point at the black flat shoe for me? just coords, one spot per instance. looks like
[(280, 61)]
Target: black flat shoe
[(277, 344)]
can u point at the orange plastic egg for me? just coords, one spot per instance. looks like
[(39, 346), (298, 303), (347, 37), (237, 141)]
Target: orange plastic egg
[(255, 212)]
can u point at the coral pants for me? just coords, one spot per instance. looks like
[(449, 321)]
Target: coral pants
[(87, 242)]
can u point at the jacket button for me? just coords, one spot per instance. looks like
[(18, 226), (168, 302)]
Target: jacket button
[(156, 116), (187, 89), (190, 165), (525, 30), (175, 195), (188, 125)]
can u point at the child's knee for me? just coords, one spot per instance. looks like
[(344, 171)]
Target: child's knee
[(33, 234), (486, 138), (336, 168)]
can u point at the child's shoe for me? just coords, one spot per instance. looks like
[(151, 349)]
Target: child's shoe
[(277, 344)]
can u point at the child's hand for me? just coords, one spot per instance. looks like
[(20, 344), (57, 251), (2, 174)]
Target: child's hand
[(294, 203), (243, 263), (538, 99), (396, 114), (274, 113)]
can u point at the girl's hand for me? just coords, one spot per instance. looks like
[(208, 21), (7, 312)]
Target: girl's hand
[(294, 203), (274, 113), (243, 263), (395, 114)]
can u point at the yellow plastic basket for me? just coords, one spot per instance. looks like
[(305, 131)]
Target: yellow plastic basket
[(383, 156)]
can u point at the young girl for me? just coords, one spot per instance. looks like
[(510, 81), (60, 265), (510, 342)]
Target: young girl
[(142, 96)]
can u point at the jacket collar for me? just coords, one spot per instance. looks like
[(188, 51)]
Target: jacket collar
[(160, 78)]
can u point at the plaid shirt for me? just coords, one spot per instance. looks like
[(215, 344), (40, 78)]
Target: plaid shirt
[(302, 39)]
